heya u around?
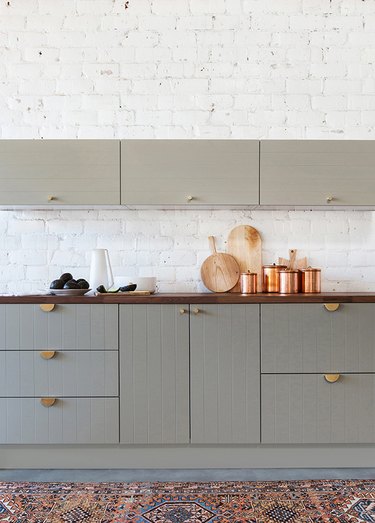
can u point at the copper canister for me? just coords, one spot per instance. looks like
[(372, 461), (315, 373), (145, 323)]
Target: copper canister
[(248, 282), (289, 281), (311, 280), (270, 277)]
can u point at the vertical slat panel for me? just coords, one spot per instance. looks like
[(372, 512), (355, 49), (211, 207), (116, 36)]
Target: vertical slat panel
[(67, 327), (225, 374), (70, 420), (308, 338), (154, 383), (306, 409), (70, 373)]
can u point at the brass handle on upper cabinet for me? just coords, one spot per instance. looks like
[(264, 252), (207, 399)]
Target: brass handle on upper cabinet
[(331, 307), (189, 198), (47, 307), (331, 378), (47, 402), (329, 199), (47, 354), (182, 311), (196, 310)]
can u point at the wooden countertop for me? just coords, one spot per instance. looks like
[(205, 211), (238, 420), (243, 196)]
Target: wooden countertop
[(186, 298)]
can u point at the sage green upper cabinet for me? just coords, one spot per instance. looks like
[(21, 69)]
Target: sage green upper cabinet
[(199, 172), (61, 172), (317, 172)]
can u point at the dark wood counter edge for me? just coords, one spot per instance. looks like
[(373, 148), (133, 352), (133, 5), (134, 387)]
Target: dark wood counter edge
[(187, 298)]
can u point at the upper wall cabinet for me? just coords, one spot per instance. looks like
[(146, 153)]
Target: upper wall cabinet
[(317, 172), (200, 172), (61, 172)]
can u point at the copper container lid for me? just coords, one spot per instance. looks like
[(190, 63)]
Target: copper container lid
[(274, 266), (311, 269)]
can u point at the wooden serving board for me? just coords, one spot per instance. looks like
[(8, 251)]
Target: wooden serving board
[(245, 245), (293, 263), (220, 271)]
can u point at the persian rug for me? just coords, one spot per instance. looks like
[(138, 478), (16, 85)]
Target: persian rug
[(227, 502)]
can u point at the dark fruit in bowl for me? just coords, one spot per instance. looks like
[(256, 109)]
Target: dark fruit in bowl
[(71, 284), (83, 284), (57, 284), (66, 277)]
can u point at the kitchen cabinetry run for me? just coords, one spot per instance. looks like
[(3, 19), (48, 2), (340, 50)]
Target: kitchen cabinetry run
[(225, 387), (59, 172), (317, 172), (199, 172), (154, 374)]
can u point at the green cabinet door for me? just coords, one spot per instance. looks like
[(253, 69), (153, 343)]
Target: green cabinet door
[(317, 172), (225, 374), (59, 172), (196, 172), (154, 374)]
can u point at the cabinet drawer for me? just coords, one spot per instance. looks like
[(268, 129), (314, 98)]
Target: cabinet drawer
[(69, 420), (305, 408), (308, 338), (70, 373), (66, 327)]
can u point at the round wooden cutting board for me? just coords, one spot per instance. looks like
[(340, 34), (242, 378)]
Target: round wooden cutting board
[(219, 272)]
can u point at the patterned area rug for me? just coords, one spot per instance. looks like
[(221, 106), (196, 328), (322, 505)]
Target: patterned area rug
[(230, 502)]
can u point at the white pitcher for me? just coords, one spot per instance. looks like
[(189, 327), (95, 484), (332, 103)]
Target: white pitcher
[(100, 269)]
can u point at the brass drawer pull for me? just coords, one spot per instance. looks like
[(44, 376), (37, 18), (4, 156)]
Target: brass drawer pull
[(189, 198), (47, 307), (182, 311), (47, 402), (329, 199), (196, 310), (47, 354), (331, 307), (331, 378)]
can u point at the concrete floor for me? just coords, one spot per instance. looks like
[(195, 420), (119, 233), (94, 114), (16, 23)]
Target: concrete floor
[(184, 475)]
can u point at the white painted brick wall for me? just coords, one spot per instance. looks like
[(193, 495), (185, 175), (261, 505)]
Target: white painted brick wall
[(184, 69)]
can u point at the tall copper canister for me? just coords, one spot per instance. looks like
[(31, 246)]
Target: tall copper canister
[(311, 280), (289, 281), (270, 277), (248, 282)]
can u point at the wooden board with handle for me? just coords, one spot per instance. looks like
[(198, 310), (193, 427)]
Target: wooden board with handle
[(220, 271), (245, 245), (293, 263)]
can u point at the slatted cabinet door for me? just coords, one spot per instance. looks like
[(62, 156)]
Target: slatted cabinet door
[(197, 172), (305, 408), (154, 373), (66, 327), (317, 172), (225, 374)]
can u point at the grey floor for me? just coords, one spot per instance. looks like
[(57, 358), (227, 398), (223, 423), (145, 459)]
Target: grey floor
[(129, 475)]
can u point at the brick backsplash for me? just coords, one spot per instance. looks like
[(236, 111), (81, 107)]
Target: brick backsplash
[(185, 69)]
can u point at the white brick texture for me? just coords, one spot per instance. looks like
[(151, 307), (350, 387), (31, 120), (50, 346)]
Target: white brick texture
[(184, 69)]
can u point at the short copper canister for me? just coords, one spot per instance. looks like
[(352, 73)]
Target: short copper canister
[(311, 279), (270, 277), (248, 282), (289, 281)]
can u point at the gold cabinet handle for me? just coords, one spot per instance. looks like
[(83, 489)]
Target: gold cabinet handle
[(47, 354), (51, 198), (331, 378), (47, 307), (47, 402), (182, 311), (196, 310), (329, 199), (189, 198), (331, 307)]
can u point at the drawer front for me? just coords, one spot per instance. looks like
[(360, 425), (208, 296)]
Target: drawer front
[(305, 408), (69, 420), (66, 327), (67, 373), (307, 338)]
